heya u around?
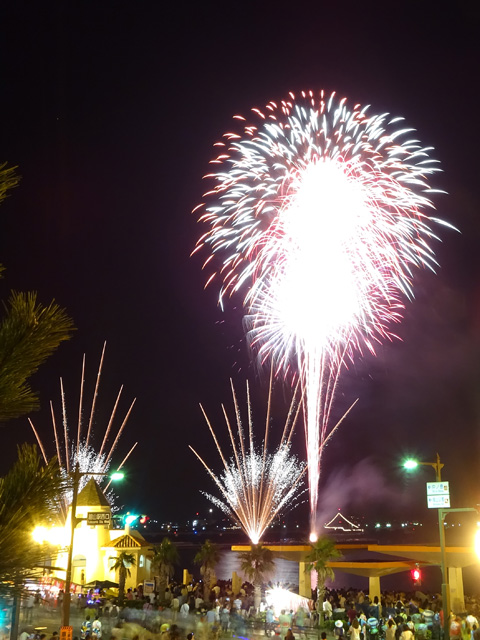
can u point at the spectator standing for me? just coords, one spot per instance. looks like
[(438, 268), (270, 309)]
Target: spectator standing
[(175, 607), (327, 608), (96, 628)]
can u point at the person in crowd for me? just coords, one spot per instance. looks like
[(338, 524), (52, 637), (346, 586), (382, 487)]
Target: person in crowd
[(269, 621), (354, 630), (390, 630), (327, 608), (184, 609), (86, 628), (175, 607), (96, 629), (407, 633), (455, 628), (225, 617)]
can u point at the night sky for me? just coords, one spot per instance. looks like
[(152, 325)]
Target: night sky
[(110, 110)]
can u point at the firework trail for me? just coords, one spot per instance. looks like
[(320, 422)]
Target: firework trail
[(320, 214), (256, 485), (72, 449)]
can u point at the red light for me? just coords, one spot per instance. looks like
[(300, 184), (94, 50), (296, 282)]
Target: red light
[(416, 576)]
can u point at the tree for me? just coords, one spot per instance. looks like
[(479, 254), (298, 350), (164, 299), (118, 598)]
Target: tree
[(29, 334), (322, 551), (8, 179), (123, 562), (256, 564), (29, 495), (208, 558), (165, 556)]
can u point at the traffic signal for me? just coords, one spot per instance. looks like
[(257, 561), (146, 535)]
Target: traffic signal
[(416, 576)]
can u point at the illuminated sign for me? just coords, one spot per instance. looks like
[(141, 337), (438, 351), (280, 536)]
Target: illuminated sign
[(97, 518)]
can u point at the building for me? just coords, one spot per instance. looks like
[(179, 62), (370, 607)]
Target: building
[(96, 547)]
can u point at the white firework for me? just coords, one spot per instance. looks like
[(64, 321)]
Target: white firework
[(72, 449), (256, 485)]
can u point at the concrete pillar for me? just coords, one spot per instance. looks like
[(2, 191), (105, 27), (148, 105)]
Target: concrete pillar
[(304, 580), (457, 597), (374, 587)]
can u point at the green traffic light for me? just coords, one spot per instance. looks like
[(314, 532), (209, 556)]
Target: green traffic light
[(410, 464), (130, 518)]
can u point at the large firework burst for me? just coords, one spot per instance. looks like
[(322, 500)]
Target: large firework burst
[(256, 485), (74, 446), (320, 213)]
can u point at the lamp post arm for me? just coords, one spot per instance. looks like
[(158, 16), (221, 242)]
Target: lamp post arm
[(438, 466)]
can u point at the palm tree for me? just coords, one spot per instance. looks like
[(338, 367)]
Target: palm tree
[(322, 551), (256, 564), (29, 495), (29, 333), (123, 562), (8, 179), (165, 556), (208, 558)]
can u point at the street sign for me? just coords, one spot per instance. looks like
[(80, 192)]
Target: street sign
[(437, 488), (95, 518), (148, 586), (439, 501), (66, 633)]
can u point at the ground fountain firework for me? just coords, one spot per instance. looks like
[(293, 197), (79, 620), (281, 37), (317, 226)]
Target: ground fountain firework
[(256, 485), (77, 444), (321, 213)]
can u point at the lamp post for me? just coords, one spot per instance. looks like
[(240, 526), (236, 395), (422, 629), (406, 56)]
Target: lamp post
[(411, 464), (77, 474)]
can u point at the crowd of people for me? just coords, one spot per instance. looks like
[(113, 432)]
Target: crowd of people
[(182, 612), (396, 616)]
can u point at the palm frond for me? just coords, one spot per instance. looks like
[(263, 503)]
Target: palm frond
[(28, 496), (29, 333)]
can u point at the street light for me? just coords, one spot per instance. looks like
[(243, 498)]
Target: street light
[(409, 465), (75, 476)]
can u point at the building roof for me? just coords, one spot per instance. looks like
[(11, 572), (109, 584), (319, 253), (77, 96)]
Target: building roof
[(132, 540), (92, 496), (405, 556), (339, 521)]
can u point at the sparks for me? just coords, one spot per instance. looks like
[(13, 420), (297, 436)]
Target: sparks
[(71, 450), (321, 215), (256, 485)]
